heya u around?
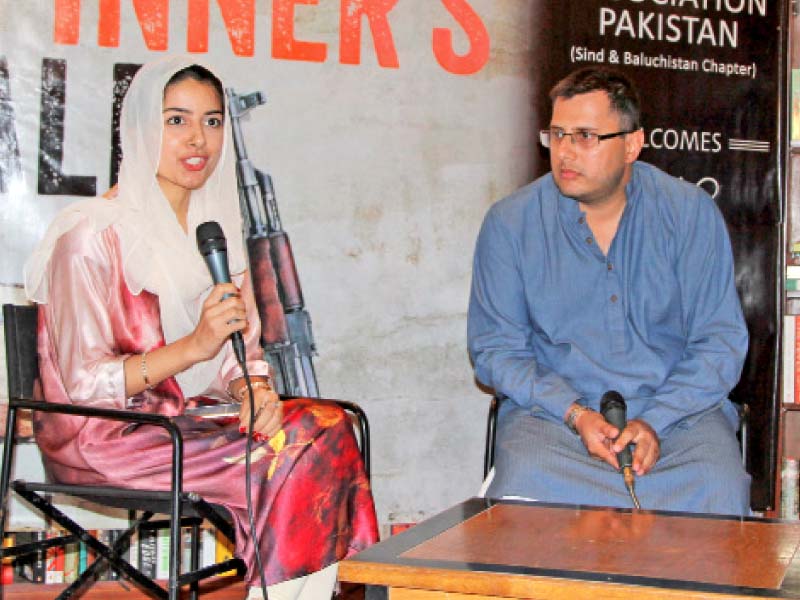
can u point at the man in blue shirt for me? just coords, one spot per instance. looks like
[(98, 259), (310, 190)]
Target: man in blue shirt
[(609, 274)]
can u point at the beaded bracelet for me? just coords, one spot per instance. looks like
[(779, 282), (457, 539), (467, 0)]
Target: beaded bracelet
[(143, 369)]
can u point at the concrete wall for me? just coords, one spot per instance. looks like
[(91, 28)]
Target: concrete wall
[(382, 176)]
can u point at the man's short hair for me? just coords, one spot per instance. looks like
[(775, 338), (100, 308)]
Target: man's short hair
[(621, 91)]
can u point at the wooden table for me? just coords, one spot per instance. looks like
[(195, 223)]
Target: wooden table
[(500, 549)]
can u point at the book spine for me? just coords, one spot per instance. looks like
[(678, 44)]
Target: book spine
[(110, 538), (7, 566), (32, 567), (133, 550), (788, 360), (91, 555), (147, 552), (208, 547), (83, 557), (790, 471), (796, 359), (54, 562), (162, 554), (186, 548), (795, 109), (224, 551), (71, 562)]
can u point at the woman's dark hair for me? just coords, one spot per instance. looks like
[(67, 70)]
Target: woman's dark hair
[(197, 73), (621, 92)]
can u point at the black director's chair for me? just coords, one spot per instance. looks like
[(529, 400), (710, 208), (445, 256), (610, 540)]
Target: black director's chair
[(185, 509)]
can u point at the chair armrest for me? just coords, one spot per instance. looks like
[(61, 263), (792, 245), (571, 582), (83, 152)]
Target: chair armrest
[(130, 416), (361, 418)]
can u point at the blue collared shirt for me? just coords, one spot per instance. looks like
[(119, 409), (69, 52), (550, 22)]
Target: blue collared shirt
[(552, 320)]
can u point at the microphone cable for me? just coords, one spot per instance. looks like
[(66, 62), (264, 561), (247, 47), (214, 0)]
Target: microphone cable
[(247, 483), (212, 246), (627, 476)]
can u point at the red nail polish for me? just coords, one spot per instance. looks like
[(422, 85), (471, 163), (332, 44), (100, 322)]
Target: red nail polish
[(242, 429)]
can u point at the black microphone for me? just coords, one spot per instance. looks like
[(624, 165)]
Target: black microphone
[(212, 245), (613, 409)]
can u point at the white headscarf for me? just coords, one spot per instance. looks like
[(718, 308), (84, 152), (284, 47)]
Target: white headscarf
[(157, 255)]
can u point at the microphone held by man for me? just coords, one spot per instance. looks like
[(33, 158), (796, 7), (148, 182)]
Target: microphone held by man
[(614, 410)]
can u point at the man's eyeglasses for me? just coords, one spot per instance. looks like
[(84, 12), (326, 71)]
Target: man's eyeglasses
[(583, 138)]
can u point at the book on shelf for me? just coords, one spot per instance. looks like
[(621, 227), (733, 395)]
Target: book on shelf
[(71, 562), (148, 551), (83, 557), (7, 564), (31, 566), (791, 359), (162, 554), (109, 537), (224, 551), (54, 560), (148, 562), (795, 116), (790, 489), (208, 547)]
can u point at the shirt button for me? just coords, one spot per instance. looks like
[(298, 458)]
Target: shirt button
[(610, 267), (589, 240), (613, 297), (582, 220)]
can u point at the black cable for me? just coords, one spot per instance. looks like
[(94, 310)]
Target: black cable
[(248, 451)]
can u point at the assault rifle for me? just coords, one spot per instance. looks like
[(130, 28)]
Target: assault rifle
[(286, 335)]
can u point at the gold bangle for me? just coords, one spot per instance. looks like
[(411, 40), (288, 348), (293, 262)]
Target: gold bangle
[(260, 383), (143, 369), (236, 394)]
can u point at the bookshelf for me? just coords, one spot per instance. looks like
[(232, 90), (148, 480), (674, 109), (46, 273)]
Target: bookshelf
[(233, 589), (789, 424)]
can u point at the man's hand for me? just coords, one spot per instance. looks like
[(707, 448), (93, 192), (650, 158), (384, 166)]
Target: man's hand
[(598, 436), (648, 448)]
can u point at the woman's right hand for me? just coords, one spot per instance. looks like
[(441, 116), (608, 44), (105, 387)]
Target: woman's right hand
[(218, 320)]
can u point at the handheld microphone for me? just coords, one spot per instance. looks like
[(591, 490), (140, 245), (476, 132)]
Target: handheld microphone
[(613, 409), (212, 245)]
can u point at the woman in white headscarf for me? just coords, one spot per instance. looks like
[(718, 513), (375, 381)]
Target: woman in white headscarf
[(129, 318)]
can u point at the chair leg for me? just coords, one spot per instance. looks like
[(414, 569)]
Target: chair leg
[(5, 476), (491, 437), (195, 558)]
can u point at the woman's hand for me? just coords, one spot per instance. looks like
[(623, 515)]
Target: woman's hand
[(269, 412), (218, 320)]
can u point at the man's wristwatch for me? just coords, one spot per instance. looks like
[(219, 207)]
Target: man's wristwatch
[(572, 416)]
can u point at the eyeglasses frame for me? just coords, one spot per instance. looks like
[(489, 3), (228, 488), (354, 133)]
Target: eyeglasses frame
[(600, 136)]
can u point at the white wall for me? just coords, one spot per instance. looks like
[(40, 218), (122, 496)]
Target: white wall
[(382, 177)]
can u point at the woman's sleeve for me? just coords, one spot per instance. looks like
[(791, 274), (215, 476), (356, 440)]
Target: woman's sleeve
[(256, 365), (78, 320)]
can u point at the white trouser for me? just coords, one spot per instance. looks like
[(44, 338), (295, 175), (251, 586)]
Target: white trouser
[(314, 586)]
